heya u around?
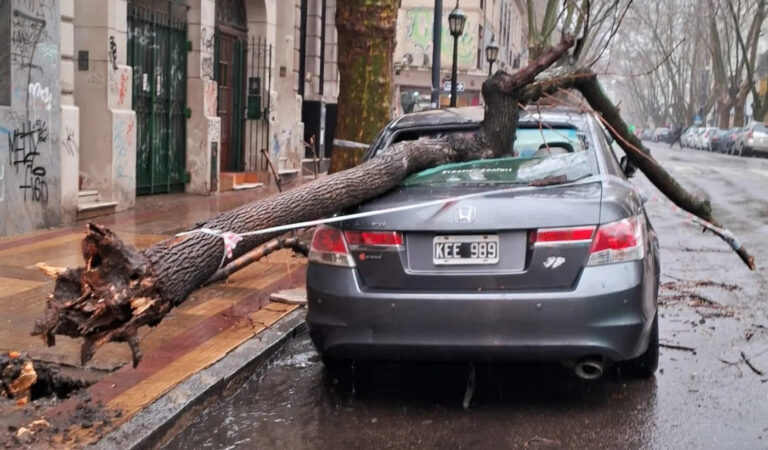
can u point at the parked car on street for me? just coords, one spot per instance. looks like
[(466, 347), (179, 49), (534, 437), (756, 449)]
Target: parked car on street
[(687, 138), (646, 135), (661, 134), (753, 140), (701, 141), (724, 141), (719, 141), (546, 255)]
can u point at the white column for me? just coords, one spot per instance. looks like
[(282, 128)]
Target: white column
[(203, 126), (104, 95)]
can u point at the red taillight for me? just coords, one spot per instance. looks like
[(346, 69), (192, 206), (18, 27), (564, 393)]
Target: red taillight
[(328, 247), (563, 235), (750, 134), (327, 239), (618, 242), (374, 238)]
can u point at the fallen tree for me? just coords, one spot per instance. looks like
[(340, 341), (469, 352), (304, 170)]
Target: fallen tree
[(121, 289)]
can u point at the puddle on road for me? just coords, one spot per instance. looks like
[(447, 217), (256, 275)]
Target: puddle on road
[(295, 404)]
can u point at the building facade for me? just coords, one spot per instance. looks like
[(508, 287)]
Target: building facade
[(105, 100), (503, 22), (32, 167)]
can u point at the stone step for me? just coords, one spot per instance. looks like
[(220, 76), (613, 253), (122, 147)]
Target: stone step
[(308, 163), (239, 187), (228, 180), (87, 196), (89, 210)]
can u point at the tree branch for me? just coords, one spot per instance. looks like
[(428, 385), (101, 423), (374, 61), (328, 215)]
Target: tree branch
[(256, 254), (585, 81)]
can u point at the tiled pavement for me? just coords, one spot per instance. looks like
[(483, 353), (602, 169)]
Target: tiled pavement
[(212, 322)]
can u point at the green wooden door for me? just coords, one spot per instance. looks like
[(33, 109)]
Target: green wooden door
[(157, 51)]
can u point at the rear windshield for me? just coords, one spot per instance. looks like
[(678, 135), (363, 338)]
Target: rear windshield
[(541, 157), (761, 127)]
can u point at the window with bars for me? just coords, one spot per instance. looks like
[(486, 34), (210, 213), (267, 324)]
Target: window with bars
[(231, 13)]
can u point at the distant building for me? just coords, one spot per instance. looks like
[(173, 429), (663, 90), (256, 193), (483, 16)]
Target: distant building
[(503, 21)]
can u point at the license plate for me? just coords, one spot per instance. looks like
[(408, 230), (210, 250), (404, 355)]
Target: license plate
[(465, 249)]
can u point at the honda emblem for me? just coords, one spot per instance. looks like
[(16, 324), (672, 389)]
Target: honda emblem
[(465, 214)]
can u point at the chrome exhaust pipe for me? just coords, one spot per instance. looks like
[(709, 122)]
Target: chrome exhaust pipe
[(589, 368)]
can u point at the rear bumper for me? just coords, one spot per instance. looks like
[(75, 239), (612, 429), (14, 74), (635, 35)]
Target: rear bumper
[(609, 314)]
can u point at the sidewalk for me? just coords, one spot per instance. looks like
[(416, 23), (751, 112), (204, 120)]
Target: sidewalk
[(205, 328)]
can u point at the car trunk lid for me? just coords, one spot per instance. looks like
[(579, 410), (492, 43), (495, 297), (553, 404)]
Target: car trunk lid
[(507, 220)]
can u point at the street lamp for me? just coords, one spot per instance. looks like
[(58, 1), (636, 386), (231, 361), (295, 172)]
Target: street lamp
[(456, 21), (491, 55)]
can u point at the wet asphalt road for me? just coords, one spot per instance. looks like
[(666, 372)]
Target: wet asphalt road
[(705, 398)]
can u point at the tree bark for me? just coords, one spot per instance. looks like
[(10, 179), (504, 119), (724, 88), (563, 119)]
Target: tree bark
[(366, 33)]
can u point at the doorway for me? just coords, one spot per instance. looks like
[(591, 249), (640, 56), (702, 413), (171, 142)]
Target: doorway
[(157, 51), (229, 71)]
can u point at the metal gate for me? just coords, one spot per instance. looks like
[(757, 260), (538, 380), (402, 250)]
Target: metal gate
[(157, 51)]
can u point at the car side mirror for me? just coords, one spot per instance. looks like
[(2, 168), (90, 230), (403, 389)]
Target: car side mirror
[(627, 167)]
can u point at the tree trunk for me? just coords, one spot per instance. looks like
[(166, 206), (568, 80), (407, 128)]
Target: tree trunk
[(366, 30), (724, 111), (121, 289), (760, 109)]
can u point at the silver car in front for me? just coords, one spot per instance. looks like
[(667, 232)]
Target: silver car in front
[(545, 255)]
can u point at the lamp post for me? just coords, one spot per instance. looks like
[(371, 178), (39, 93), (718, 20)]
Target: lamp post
[(491, 55), (456, 21)]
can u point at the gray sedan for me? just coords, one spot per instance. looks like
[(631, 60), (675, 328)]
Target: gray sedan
[(544, 255)]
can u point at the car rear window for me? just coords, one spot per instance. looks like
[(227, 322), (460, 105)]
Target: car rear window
[(542, 156), (761, 127)]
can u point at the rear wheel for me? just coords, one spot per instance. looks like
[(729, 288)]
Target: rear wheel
[(645, 365)]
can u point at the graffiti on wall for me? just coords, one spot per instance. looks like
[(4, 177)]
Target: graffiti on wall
[(113, 52), (207, 40), (214, 129), (209, 98), (206, 67), (27, 32), (70, 142), (36, 92), (40, 8), (415, 38), (123, 133), (30, 128), (118, 85), (24, 147)]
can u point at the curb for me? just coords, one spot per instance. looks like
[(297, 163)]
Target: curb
[(162, 420)]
